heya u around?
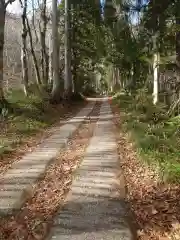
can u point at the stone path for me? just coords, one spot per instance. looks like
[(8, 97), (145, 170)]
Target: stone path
[(93, 209), (16, 184)]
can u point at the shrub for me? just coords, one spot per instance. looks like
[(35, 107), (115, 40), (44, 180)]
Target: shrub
[(144, 104), (156, 136), (142, 101)]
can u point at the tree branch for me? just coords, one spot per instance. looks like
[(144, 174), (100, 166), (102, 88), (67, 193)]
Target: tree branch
[(8, 2)]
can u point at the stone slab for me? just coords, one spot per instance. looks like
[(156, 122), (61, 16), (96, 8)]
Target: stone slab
[(93, 208), (15, 185)]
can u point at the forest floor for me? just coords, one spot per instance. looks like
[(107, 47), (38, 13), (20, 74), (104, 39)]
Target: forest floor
[(128, 199), (89, 201), (32, 221), (155, 204)]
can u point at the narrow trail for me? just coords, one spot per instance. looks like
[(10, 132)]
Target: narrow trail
[(31, 167), (78, 196), (31, 221), (94, 207)]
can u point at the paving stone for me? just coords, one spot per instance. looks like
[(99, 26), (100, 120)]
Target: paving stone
[(25, 172), (92, 210)]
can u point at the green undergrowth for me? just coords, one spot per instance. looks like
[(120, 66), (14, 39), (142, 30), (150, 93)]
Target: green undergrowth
[(156, 136), (26, 117)]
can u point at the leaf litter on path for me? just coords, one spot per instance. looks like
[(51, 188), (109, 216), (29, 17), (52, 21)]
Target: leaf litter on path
[(155, 204), (34, 219)]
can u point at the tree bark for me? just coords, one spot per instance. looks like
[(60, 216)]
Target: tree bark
[(38, 78), (3, 6), (155, 74), (44, 54), (24, 49), (50, 79), (74, 61), (156, 59), (178, 40), (67, 47), (2, 25), (56, 91)]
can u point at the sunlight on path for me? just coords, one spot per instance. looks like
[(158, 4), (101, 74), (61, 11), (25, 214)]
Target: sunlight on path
[(94, 210), (15, 186)]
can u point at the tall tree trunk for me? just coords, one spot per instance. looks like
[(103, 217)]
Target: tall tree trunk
[(38, 78), (46, 67), (50, 79), (155, 75), (33, 21), (156, 59), (56, 91), (2, 25), (67, 47), (176, 103), (44, 54), (74, 57), (24, 49), (178, 39)]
